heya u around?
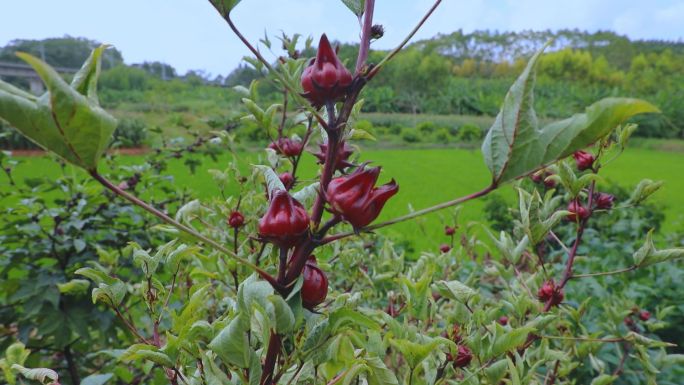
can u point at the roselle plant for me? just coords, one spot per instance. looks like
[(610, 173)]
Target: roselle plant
[(237, 295)]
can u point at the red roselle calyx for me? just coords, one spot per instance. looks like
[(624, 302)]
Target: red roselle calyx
[(444, 248), (503, 320), (315, 285), (448, 230), (584, 160), (462, 358), (577, 211), (356, 199), (325, 79), (550, 293), (603, 201), (286, 220), (287, 180), (542, 177), (344, 151), (644, 315), (286, 146), (236, 219)]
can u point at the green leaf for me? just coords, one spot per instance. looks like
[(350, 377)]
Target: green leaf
[(378, 373), (284, 317), (648, 255), (355, 6), (14, 354), (145, 261), (643, 190), (604, 379), (496, 371), (73, 287), (508, 340), (455, 290), (306, 195), (224, 6), (344, 317), (38, 374), (96, 275), (413, 352), (638, 339), (63, 120), (516, 146), (232, 343), (146, 352), (111, 295), (85, 80), (359, 134), (273, 182), (17, 353), (96, 379)]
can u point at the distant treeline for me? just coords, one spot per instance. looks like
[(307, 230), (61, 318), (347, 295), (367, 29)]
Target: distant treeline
[(458, 73), (469, 74)]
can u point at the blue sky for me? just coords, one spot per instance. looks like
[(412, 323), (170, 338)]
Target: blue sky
[(189, 34)]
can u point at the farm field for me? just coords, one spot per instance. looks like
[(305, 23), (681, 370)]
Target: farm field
[(458, 171)]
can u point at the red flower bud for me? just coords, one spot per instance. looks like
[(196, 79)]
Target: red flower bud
[(577, 211), (456, 334), (629, 322), (584, 160), (503, 320), (325, 79), (444, 248), (644, 315), (603, 201), (236, 219), (341, 158), (315, 286), (356, 198), (549, 292), (448, 230), (288, 147), (541, 177), (287, 179), (462, 358), (285, 221)]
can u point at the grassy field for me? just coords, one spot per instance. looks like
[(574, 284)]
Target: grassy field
[(431, 176)]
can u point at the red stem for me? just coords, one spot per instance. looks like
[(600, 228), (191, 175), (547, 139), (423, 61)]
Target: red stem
[(364, 46), (274, 344)]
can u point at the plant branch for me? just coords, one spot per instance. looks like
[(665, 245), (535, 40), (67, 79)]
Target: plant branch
[(620, 271), (130, 326), (412, 215), (401, 45), (294, 93), (274, 345), (165, 218), (585, 339), (364, 46)]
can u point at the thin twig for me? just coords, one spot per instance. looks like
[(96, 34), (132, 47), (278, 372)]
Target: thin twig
[(620, 271), (412, 215), (144, 205), (401, 45)]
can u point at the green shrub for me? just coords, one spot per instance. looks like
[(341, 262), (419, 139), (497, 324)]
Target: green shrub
[(426, 128), (395, 129), (409, 135), (365, 125), (469, 133), (442, 135), (130, 133)]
